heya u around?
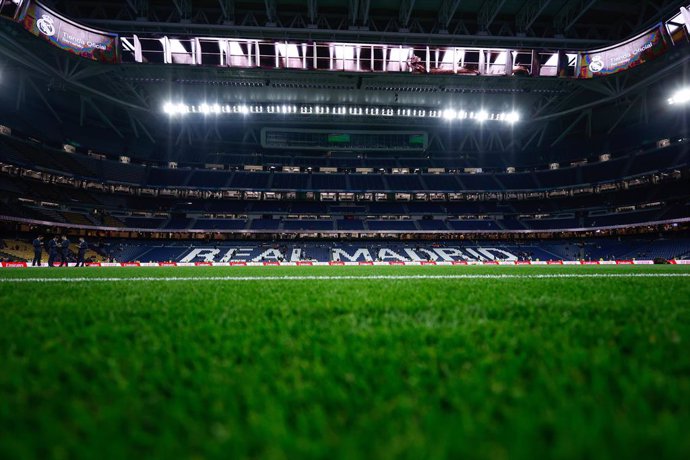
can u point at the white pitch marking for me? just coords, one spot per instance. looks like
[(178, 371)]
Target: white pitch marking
[(346, 277)]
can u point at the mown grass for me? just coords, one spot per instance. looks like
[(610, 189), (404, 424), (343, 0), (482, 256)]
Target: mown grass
[(442, 368)]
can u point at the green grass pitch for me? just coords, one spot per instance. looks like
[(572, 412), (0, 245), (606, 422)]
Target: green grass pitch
[(521, 366)]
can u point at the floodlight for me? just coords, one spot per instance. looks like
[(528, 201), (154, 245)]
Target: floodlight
[(512, 117), (682, 96), (449, 114)]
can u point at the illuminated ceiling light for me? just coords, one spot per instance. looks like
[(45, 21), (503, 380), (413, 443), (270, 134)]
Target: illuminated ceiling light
[(449, 114), (174, 109), (512, 117), (681, 96)]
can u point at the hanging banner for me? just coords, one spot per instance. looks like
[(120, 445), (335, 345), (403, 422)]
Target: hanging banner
[(70, 36), (608, 61)]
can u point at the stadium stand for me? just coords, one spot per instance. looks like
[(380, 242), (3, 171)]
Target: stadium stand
[(608, 249), (291, 179)]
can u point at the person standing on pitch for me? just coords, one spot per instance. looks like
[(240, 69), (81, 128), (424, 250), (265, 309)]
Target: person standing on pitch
[(52, 251), (83, 246), (64, 249), (38, 248)]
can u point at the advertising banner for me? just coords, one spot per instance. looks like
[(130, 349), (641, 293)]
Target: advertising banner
[(14, 264), (632, 53), (70, 36)]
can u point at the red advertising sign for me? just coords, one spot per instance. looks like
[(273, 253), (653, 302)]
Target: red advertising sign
[(614, 59), (68, 35), (14, 264)]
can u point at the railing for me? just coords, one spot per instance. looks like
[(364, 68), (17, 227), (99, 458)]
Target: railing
[(350, 57)]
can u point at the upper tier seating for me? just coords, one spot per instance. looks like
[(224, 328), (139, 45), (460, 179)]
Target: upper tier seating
[(36, 156)]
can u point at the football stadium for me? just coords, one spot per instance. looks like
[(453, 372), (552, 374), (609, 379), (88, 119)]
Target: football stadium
[(292, 229)]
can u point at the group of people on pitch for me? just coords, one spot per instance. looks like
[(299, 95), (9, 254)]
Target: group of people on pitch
[(58, 248)]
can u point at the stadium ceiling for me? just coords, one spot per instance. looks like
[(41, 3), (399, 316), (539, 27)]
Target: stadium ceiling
[(535, 22), (128, 99)]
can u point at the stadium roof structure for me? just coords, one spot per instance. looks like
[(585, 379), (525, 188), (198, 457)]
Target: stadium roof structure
[(127, 99), (552, 22)]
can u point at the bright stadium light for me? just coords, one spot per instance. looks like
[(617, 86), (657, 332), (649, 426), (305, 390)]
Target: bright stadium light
[(449, 114), (173, 109), (682, 96), (512, 117)]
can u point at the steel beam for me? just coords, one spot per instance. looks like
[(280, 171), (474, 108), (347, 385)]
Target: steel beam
[(446, 12), (527, 16), (140, 8), (406, 7), (358, 12), (313, 11), (39, 93), (568, 16), (249, 29), (584, 114), (227, 11), (103, 116), (184, 9), (488, 12), (271, 12)]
